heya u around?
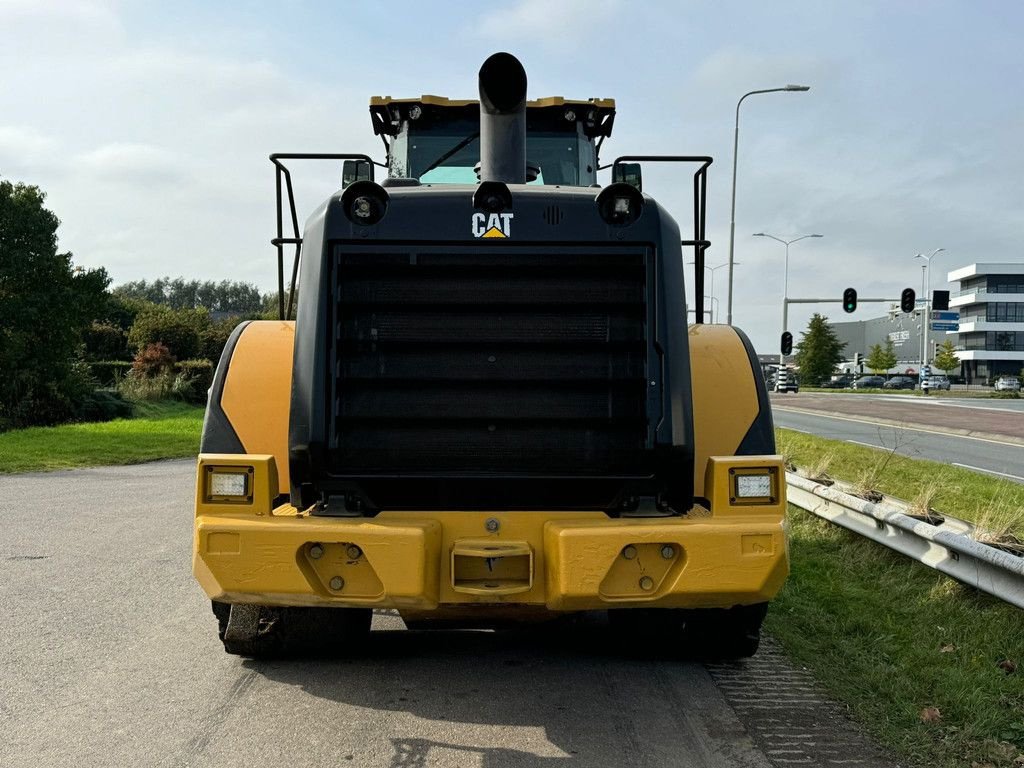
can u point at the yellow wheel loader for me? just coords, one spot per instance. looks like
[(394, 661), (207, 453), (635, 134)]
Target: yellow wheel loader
[(489, 407)]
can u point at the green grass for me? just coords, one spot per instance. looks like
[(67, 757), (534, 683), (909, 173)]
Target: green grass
[(991, 502), (159, 431), (890, 637)]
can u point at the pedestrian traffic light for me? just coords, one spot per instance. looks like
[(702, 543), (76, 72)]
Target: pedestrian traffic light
[(908, 299), (849, 300), (787, 343), (940, 300)]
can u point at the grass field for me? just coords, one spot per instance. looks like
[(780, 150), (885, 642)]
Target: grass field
[(158, 431), (927, 665)]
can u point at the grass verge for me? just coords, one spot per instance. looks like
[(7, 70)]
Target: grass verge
[(926, 664), (160, 430)]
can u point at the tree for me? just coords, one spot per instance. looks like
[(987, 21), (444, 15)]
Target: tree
[(819, 351), (946, 358), (234, 298), (880, 360), (46, 303)]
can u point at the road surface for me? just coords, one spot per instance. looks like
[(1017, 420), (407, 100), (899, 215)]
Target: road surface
[(986, 437), (111, 659)]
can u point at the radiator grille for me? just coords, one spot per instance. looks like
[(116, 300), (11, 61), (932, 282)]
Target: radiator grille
[(497, 359)]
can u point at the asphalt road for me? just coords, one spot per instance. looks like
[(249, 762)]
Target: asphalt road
[(110, 658), (988, 455)]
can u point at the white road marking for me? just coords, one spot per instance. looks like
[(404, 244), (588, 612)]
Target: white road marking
[(869, 445), (988, 471), (803, 431)]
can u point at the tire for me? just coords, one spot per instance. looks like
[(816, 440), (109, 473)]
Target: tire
[(287, 631), (704, 633), (725, 633)]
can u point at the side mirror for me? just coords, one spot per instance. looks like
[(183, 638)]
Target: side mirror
[(355, 170), (628, 173)]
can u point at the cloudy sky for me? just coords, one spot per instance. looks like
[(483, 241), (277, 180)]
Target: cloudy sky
[(149, 123)]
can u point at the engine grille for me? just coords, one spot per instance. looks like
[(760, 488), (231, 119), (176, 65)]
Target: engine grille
[(503, 359)]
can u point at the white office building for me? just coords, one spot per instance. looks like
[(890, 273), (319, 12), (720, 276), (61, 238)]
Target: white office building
[(991, 305)]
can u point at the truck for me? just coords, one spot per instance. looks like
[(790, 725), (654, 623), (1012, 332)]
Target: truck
[(489, 407)]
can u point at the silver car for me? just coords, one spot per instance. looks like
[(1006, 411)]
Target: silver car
[(938, 382)]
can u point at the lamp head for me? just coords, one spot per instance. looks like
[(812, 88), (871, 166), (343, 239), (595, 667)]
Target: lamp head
[(792, 87)]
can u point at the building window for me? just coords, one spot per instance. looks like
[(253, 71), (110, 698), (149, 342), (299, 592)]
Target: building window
[(1004, 341), (1006, 284), (1005, 312)]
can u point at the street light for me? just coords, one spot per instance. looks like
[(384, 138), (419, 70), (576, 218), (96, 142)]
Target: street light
[(712, 296), (785, 277), (735, 148), (926, 285)]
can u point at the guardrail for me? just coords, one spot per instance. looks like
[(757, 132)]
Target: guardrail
[(948, 545)]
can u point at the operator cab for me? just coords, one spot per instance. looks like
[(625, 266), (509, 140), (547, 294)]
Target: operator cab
[(435, 140)]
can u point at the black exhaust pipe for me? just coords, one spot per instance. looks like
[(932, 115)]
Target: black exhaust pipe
[(503, 120)]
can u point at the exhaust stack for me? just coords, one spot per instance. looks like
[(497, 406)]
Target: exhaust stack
[(503, 120)]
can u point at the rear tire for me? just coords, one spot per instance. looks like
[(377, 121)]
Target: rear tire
[(287, 631), (725, 633)]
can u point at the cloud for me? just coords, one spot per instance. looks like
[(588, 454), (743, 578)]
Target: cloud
[(547, 21), (130, 163), (21, 146)]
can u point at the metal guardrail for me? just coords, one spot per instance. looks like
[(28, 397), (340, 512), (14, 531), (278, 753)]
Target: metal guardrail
[(946, 544)]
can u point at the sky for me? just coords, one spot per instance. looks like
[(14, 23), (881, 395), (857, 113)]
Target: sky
[(148, 124)]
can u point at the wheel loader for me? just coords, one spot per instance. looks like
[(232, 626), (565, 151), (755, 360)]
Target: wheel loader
[(489, 407)]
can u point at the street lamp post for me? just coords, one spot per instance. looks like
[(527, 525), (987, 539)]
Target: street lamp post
[(735, 149), (717, 314), (926, 290), (785, 277)]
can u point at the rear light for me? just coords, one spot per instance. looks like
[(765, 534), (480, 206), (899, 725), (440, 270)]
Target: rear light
[(229, 485), (754, 485)]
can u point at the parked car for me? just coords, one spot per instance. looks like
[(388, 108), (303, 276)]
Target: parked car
[(900, 382), (839, 382), (869, 382), (938, 382), (1007, 384)]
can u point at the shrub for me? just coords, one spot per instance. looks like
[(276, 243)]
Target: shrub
[(194, 379), (177, 329), (152, 361), (105, 341), (214, 338), (103, 405), (109, 373)]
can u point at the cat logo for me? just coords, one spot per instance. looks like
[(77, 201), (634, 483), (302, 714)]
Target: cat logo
[(492, 225)]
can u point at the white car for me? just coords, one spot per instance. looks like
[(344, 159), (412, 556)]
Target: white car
[(1007, 384)]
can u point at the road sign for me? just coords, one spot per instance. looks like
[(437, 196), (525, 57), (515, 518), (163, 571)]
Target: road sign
[(946, 317), (945, 326)]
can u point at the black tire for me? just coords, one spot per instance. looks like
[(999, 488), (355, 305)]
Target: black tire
[(725, 633), (287, 631)]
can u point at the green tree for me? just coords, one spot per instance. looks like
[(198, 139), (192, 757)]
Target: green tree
[(46, 303), (881, 359), (819, 351), (946, 358), (234, 298)]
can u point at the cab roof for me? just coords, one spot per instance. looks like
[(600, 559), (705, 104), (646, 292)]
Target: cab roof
[(388, 114)]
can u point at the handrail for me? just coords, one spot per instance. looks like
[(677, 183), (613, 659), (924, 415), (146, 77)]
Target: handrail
[(281, 173)]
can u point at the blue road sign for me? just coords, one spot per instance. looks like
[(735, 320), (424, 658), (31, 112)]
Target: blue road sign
[(945, 317), (945, 326)]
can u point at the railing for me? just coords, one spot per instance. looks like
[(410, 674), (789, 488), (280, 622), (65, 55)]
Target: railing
[(957, 548)]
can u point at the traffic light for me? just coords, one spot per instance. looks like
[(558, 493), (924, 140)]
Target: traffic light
[(856, 360), (849, 300), (908, 299), (940, 300), (787, 343)]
